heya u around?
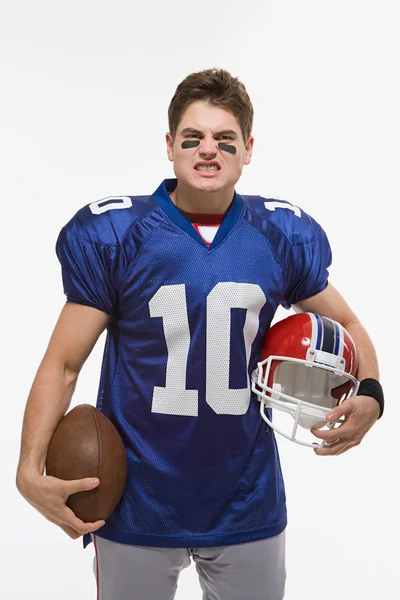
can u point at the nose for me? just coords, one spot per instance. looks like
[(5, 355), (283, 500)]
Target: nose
[(208, 146)]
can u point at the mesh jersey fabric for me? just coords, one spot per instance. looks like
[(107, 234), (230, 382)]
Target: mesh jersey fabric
[(186, 326)]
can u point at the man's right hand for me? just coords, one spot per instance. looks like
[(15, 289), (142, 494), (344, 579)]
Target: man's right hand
[(49, 496), (76, 332)]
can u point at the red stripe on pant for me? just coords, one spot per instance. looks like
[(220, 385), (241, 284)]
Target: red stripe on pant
[(97, 567)]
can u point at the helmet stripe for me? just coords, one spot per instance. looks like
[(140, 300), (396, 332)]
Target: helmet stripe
[(337, 339), (319, 333), (341, 339), (314, 330), (329, 336)]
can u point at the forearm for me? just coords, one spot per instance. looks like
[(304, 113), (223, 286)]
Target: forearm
[(48, 401), (331, 304), (367, 359)]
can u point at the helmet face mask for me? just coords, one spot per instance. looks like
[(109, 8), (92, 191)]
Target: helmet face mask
[(309, 379)]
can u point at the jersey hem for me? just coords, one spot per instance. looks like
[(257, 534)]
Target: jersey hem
[(74, 300), (199, 541), (318, 290)]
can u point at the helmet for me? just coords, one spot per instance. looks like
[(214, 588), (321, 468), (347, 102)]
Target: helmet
[(307, 367)]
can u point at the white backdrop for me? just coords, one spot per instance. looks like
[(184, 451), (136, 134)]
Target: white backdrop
[(85, 86)]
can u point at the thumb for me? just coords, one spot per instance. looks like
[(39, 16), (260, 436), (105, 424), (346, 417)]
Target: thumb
[(81, 485), (343, 410)]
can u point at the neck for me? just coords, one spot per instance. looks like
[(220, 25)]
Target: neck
[(198, 202)]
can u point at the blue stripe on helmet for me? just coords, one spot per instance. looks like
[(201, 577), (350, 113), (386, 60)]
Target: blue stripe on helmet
[(337, 339)]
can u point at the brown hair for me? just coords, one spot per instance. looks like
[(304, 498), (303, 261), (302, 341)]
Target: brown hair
[(219, 88)]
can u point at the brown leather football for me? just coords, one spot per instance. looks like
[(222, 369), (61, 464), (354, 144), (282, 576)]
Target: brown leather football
[(86, 444)]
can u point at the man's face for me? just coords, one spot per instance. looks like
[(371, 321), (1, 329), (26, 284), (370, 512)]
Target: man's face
[(209, 125)]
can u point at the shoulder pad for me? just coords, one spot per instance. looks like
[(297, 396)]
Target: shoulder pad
[(295, 224), (106, 221)]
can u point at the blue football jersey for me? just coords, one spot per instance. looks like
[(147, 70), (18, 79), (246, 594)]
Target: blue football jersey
[(186, 327)]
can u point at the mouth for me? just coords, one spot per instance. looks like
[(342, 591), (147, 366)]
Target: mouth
[(207, 170)]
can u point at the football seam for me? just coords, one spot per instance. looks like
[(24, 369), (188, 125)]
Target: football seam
[(100, 464)]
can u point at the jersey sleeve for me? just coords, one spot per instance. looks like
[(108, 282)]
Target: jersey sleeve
[(89, 269), (307, 264)]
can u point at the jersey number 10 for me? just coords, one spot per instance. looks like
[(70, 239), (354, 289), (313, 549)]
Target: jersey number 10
[(169, 302)]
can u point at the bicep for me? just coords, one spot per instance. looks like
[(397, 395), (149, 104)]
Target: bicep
[(74, 336), (328, 303)]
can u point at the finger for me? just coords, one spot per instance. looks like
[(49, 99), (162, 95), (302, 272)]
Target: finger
[(74, 535), (335, 449), (79, 485), (345, 431), (68, 530), (70, 519), (343, 410), (329, 436), (94, 526)]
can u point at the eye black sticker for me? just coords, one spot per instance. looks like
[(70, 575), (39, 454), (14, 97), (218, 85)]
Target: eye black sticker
[(190, 144), (226, 147)]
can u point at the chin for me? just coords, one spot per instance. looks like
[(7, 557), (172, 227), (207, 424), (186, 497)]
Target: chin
[(203, 184)]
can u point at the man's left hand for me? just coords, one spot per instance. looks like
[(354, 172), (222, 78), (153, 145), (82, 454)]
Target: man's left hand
[(360, 413)]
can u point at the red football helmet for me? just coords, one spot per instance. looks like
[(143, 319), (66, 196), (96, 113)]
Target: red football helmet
[(307, 367)]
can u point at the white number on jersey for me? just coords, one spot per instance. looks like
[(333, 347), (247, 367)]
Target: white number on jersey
[(169, 302), (274, 205), (112, 203)]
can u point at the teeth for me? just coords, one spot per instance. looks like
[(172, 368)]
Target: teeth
[(204, 168)]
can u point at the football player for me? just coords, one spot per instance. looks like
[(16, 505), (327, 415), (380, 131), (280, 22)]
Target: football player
[(186, 281)]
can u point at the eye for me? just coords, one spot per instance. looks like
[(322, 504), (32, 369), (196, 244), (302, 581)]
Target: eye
[(227, 137)]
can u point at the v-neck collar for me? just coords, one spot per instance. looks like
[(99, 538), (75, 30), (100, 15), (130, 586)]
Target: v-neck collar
[(164, 201)]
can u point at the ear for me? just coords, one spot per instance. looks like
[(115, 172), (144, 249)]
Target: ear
[(249, 150), (170, 146)]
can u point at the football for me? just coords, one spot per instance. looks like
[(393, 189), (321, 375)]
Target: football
[(87, 444)]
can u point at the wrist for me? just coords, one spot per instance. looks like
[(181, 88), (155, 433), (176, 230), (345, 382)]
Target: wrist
[(26, 476), (372, 387)]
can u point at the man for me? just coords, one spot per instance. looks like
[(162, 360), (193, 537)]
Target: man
[(187, 282)]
